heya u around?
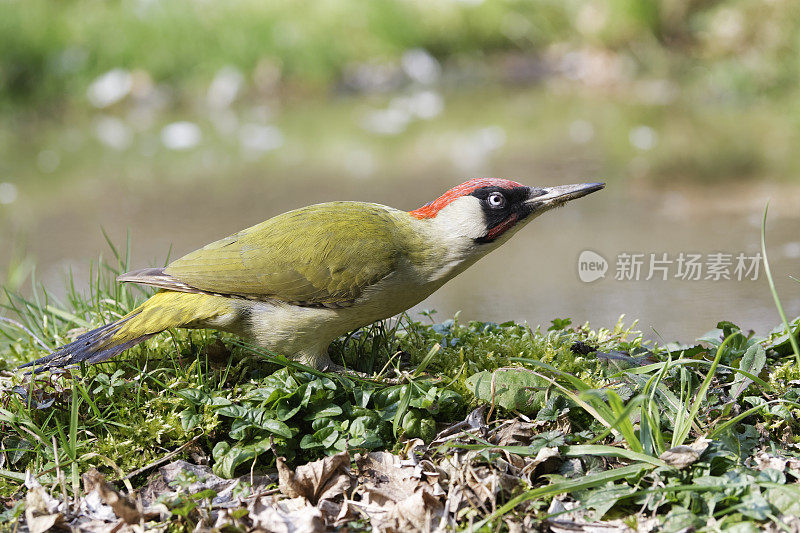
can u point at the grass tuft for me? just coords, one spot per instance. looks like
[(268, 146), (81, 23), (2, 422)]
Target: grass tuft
[(605, 402)]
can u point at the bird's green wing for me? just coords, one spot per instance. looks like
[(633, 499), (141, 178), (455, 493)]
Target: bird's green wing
[(324, 254)]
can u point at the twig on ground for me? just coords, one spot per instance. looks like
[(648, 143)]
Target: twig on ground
[(164, 459)]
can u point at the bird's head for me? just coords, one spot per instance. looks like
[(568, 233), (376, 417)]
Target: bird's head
[(489, 210)]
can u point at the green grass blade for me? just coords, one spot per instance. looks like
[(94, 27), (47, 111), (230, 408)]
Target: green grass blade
[(561, 487), (19, 477), (427, 359), (720, 429), (405, 401), (679, 437), (68, 317), (772, 289), (647, 369), (581, 450), (622, 425), (578, 450), (623, 420)]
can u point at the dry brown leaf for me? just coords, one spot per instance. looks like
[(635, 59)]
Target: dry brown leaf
[(487, 483), (320, 480), (384, 464), (419, 512), (205, 478), (94, 514), (474, 421), (394, 496), (546, 454), (513, 525), (93, 508), (122, 507), (679, 457), (547, 461), (384, 478), (335, 513), (45, 522), (161, 485), (682, 456), (515, 432), (41, 510), (287, 516), (476, 483), (763, 460)]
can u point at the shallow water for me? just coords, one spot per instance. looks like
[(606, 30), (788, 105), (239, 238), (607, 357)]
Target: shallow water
[(534, 277), (171, 205)]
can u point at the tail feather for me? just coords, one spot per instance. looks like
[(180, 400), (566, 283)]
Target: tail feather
[(91, 347), (166, 309)]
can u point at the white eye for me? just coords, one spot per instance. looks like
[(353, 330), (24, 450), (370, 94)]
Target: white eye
[(496, 200)]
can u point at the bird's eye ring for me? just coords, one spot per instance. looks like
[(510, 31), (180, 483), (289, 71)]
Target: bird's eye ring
[(496, 200)]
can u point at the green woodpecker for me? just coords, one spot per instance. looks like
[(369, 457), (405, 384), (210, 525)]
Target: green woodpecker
[(298, 281)]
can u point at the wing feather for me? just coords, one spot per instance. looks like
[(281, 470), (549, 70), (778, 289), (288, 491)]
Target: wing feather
[(325, 254)]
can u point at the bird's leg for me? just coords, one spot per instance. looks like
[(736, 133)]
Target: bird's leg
[(314, 357), (318, 358)]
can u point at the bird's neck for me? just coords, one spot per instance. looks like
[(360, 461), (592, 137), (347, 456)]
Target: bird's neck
[(438, 251)]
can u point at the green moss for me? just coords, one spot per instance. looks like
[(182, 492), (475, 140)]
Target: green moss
[(576, 382), (781, 376)]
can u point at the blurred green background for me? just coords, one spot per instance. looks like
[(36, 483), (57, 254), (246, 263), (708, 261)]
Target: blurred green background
[(183, 121)]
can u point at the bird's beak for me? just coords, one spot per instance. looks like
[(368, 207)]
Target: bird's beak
[(548, 197)]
